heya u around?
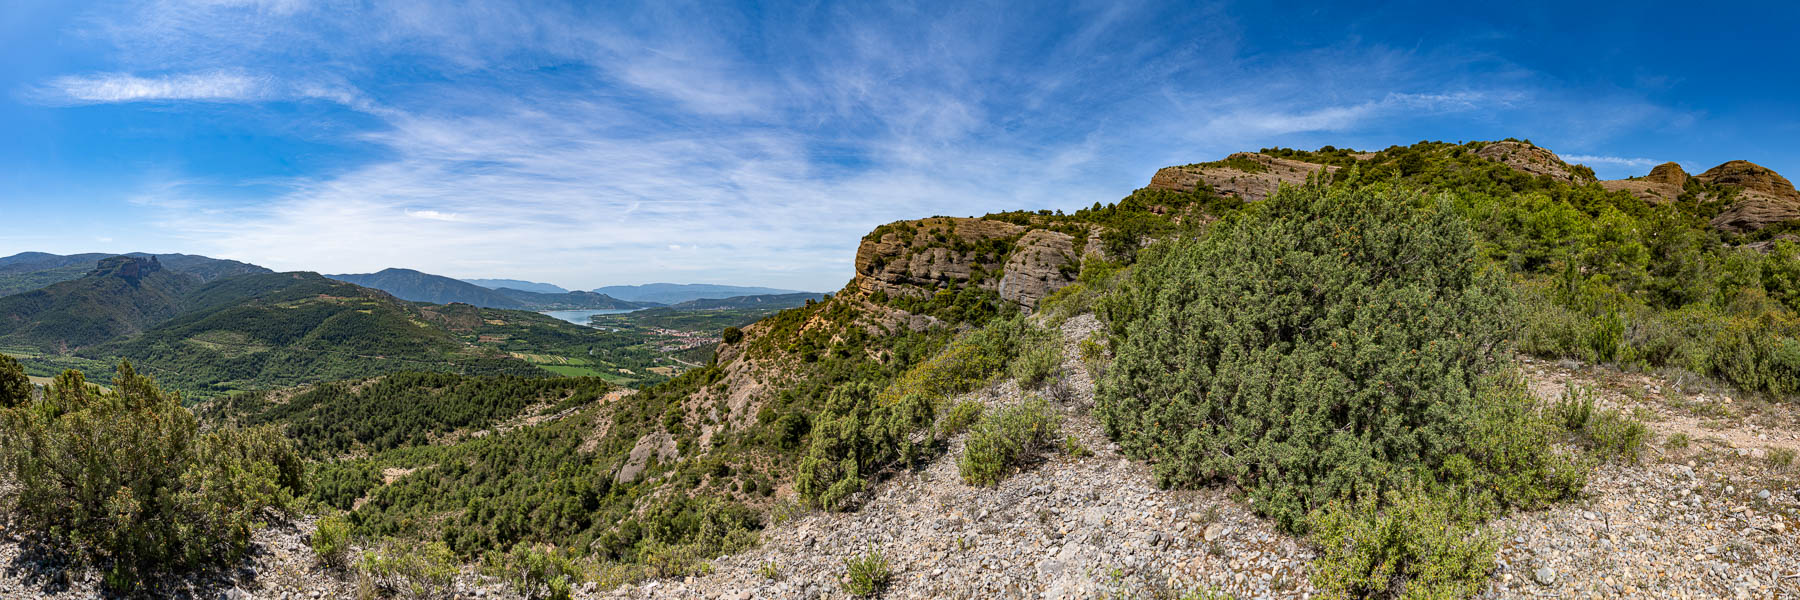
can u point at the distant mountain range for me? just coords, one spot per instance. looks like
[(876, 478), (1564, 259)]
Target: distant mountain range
[(407, 284), (676, 293), (28, 271), (528, 286)]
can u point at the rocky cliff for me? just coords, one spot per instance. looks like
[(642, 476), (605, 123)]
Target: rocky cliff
[(1022, 264), (1764, 197), (1532, 160), (1663, 184), (1246, 175)]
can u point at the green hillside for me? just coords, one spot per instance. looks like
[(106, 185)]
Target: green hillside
[(286, 329), (120, 297)]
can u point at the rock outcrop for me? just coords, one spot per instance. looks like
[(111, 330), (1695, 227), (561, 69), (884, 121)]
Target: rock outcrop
[(1043, 262), (1764, 197), (1532, 160), (1768, 245), (1663, 184), (1249, 176), (916, 258), (132, 269)]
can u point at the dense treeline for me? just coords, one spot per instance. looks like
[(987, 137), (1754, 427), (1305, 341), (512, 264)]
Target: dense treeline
[(1607, 277), (405, 409)]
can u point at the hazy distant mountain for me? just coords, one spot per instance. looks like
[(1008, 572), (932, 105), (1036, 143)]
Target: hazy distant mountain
[(528, 286), (675, 293), (407, 284), (28, 271), (568, 300), (756, 301)]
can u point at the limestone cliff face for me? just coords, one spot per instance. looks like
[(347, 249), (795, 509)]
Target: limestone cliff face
[(916, 258), (1043, 263), (1663, 184), (1765, 198), (1249, 176), (1532, 160)]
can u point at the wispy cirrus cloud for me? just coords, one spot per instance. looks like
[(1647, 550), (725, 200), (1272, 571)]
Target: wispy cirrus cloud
[(1619, 161), (584, 148), (216, 86)]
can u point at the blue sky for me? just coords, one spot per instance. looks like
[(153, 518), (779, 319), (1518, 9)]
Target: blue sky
[(588, 144)]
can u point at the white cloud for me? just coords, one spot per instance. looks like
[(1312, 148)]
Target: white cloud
[(432, 215), (214, 86), (1612, 160)]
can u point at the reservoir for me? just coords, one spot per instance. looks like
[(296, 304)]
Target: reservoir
[(580, 317)]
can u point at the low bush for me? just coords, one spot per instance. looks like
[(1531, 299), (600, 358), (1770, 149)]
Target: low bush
[(124, 477), (1003, 441), (1037, 364), (960, 417), (1781, 457), (867, 574), (536, 572), (426, 571), (1417, 547), (1606, 432), (331, 541)]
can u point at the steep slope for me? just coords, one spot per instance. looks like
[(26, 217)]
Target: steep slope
[(414, 286), (121, 296), (291, 328), (529, 286), (671, 293), (565, 300)]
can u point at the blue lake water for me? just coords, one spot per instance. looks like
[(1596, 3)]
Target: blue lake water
[(580, 317)]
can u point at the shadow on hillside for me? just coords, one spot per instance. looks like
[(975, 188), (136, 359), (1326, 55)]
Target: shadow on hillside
[(45, 570)]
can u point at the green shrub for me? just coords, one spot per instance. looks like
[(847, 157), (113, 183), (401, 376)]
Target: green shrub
[(960, 417), (866, 575), (124, 477), (862, 430), (1003, 441), (416, 571), (1037, 364), (1575, 409), (1607, 432), (1416, 547), (768, 571), (733, 335), (1328, 344), (537, 572), (15, 387), (331, 540), (1676, 441), (1073, 447), (1781, 457)]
